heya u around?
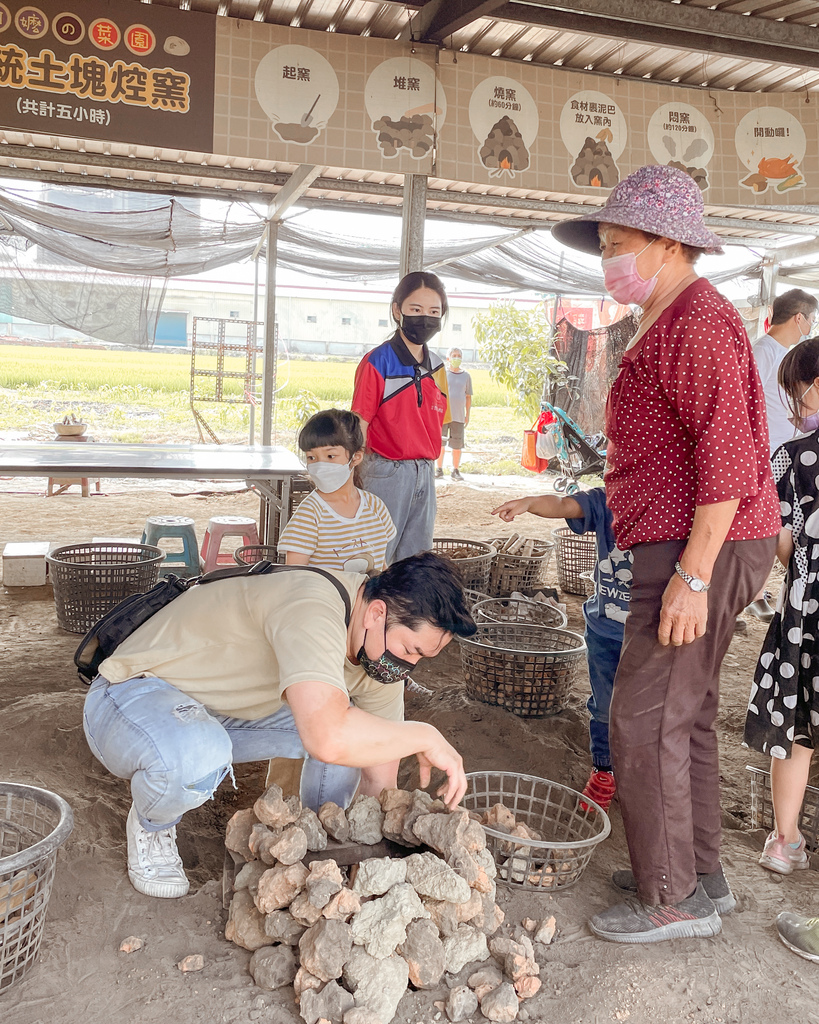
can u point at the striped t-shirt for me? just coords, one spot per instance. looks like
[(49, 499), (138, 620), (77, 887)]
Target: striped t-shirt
[(334, 542)]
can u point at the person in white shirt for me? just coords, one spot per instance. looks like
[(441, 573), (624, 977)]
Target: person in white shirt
[(792, 320)]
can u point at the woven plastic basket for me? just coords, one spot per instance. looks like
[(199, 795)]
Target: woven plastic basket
[(574, 553), (472, 558), (588, 580), (250, 554), (566, 828), (512, 573), (33, 825), (762, 813), (90, 579), (519, 609), (526, 669)]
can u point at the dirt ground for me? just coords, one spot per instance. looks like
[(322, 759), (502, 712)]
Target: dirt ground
[(743, 975)]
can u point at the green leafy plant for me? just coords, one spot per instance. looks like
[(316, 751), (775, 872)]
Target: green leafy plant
[(518, 345)]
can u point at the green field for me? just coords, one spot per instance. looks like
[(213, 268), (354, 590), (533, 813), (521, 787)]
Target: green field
[(145, 396)]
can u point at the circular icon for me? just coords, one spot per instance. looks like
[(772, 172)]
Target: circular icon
[(505, 121), (406, 106), (140, 40), (298, 90), (67, 28), (176, 46), (594, 132), (31, 22), (681, 136), (104, 34), (5, 17)]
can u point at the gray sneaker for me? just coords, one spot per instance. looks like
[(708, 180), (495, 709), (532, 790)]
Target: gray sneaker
[(715, 885), (633, 921)]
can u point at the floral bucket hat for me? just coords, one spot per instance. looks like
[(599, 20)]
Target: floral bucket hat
[(659, 200)]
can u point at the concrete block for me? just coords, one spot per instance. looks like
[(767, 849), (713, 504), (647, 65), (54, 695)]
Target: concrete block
[(24, 563)]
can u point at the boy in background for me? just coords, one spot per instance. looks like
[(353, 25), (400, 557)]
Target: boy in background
[(460, 402)]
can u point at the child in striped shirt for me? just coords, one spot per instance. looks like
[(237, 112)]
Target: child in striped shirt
[(338, 525)]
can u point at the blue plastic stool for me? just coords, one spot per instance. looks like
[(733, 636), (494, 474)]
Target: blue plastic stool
[(184, 562)]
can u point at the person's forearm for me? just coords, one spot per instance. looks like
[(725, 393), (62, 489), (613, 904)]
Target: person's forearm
[(708, 533), (551, 506), (363, 740)]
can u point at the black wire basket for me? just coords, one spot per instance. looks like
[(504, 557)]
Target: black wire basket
[(472, 558), (526, 669), (250, 554), (574, 554)]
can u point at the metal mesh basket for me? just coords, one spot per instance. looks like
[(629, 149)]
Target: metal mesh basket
[(762, 813), (473, 597), (568, 827), (91, 579), (519, 609), (472, 558), (574, 554), (512, 573), (250, 554), (33, 825), (526, 669)]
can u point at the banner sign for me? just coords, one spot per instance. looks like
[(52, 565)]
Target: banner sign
[(141, 73)]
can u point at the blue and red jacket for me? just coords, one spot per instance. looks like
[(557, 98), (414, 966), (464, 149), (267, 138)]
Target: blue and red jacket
[(405, 403)]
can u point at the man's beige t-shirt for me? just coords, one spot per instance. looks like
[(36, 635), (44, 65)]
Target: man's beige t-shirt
[(237, 644)]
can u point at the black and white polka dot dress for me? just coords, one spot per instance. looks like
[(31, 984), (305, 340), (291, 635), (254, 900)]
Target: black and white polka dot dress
[(784, 705)]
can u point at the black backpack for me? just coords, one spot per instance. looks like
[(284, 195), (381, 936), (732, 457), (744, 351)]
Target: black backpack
[(107, 634)]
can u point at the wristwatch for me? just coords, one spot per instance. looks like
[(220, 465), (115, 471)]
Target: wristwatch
[(694, 582)]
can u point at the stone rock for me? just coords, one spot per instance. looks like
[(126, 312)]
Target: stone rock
[(528, 946), (430, 876), (381, 925), (394, 803), (457, 838), (260, 842), (527, 987), (422, 804), (487, 871), (529, 924), (545, 931), (325, 948), (377, 984), (465, 912), (245, 925), (466, 946), (342, 906), (484, 981), (303, 910), (294, 803), (490, 916), (323, 882), (291, 847), (461, 1003), (502, 946), (378, 875), (424, 953), (501, 1004), (238, 832), (361, 1015), (271, 809), (498, 814), (516, 967), (365, 817), (192, 963), (303, 981), (131, 944), (310, 825), (273, 967), (279, 886), (248, 876), (330, 1004), (281, 926), (334, 821), (445, 916)]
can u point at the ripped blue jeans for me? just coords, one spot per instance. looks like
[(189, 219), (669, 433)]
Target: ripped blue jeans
[(175, 752)]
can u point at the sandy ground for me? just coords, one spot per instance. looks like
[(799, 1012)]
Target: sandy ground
[(743, 975)]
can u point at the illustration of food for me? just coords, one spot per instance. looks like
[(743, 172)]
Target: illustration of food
[(772, 168), (595, 166), (504, 150), (414, 132), (176, 46), (772, 144)]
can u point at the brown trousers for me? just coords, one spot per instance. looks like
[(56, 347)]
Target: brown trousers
[(663, 739)]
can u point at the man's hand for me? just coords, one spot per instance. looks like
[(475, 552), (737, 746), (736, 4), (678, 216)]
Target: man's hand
[(439, 754), (684, 614), (510, 509)]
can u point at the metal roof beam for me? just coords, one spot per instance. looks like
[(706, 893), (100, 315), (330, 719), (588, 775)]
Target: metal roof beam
[(681, 26), (438, 19)]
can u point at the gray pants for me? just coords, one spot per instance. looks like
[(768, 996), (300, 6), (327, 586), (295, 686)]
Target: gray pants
[(407, 488)]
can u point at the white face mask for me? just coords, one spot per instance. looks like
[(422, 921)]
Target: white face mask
[(329, 476)]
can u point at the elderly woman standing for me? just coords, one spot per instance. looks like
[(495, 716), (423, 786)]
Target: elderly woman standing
[(689, 484)]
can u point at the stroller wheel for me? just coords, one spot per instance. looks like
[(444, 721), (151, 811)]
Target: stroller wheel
[(560, 484), (572, 488)]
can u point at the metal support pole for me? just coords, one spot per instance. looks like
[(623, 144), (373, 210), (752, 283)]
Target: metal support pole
[(252, 430), (412, 223), (270, 353)]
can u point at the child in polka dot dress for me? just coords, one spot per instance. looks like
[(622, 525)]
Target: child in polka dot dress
[(783, 711)]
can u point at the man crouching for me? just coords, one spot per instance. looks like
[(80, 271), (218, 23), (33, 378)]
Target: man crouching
[(279, 665)]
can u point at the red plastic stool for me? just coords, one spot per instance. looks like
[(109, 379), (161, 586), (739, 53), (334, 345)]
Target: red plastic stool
[(220, 527)]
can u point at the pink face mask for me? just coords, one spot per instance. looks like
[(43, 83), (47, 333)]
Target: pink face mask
[(805, 424), (624, 282)]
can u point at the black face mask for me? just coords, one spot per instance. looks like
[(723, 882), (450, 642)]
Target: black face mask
[(419, 329), (389, 668)]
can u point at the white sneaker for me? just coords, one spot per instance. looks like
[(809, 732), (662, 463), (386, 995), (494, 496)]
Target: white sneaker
[(154, 865)]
